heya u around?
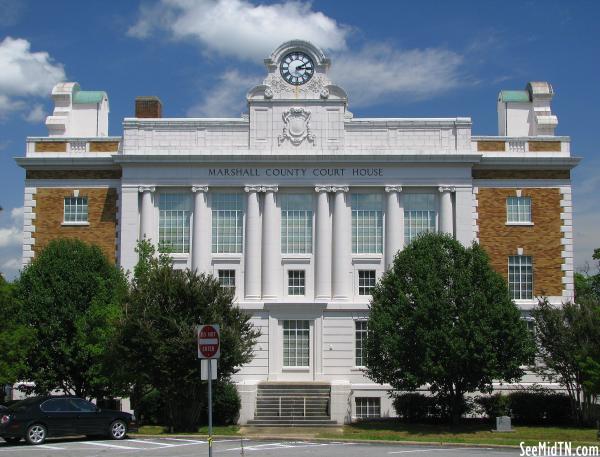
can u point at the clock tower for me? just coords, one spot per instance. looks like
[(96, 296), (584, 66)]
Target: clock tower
[(297, 107)]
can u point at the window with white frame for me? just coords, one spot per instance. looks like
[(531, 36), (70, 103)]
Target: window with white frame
[(518, 209), (174, 222), (76, 209), (368, 407), (367, 223), (296, 282), (360, 337), (419, 215), (366, 281), (227, 223), (227, 280), (296, 347), (296, 223), (520, 277)]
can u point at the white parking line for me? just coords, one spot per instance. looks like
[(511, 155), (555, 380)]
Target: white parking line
[(47, 446), (442, 450), (115, 446), (186, 440), (156, 443)]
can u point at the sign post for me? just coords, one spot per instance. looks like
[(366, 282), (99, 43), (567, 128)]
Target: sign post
[(209, 347)]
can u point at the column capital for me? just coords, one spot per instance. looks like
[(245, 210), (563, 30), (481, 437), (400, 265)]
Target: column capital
[(260, 188), (199, 189), (447, 189), (393, 188), (332, 188), (142, 189)]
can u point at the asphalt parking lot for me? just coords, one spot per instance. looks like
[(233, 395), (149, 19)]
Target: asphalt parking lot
[(185, 447)]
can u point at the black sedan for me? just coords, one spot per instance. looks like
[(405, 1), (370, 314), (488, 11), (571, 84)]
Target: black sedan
[(37, 418)]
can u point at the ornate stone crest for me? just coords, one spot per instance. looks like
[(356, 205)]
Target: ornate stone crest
[(296, 126)]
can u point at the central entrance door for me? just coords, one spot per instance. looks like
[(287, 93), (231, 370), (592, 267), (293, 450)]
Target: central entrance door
[(296, 351)]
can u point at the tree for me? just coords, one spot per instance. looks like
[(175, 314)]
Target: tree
[(15, 338), (568, 340), (441, 317), (157, 345), (71, 298)]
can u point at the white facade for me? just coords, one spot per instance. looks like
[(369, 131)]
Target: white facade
[(293, 170)]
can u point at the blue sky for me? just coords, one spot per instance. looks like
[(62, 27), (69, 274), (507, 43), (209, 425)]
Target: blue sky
[(401, 58)]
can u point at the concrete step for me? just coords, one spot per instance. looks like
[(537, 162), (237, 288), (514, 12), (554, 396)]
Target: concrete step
[(291, 423)]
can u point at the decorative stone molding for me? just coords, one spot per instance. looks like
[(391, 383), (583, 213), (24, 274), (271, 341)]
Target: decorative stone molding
[(447, 189), (268, 93), (332, 188), (297, 126), (143, 189), (324, 93), (260, 188), (199, 189), (394, 188)]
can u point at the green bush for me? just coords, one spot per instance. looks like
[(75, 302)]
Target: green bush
[(540, 407), (415, 407), (226, 403), (150, 409), (494, 405)]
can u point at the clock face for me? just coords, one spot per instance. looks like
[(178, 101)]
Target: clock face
[(297, 68)]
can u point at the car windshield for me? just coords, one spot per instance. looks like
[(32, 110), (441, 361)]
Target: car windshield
[(23, 404)]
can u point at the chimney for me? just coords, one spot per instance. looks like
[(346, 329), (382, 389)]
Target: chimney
[(148, 107)]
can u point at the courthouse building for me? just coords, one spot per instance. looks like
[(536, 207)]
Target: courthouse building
[(299, 207)]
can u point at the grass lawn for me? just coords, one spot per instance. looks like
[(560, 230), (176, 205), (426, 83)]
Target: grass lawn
[(472, 433), (217, 430)]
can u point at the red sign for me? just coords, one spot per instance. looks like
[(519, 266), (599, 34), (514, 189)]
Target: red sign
[(209, 342)]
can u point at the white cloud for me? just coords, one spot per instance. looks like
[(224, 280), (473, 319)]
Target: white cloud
[(37, 114), (227, 97), (11, 236), (25, 74), (380, 72), (240, 28)]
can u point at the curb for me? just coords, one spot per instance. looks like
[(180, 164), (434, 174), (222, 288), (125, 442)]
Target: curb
[(336, 440)]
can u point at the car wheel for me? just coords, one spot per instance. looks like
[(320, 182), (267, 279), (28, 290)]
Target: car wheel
[(118, 430), (36, 434), (12, 440)]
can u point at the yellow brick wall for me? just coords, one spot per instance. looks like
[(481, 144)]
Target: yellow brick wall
[(541, 241), (102, 217)]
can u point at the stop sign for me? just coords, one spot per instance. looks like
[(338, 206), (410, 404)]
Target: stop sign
[(209, 342)]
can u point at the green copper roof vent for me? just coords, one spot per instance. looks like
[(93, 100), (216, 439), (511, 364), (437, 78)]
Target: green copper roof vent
[(514, 96), (87, 97)]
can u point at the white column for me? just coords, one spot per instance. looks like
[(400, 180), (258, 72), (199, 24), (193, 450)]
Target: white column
[(147, 213), (201, 241), (446, 212), (271, 244), (394, 224), (323, 245), (341, 278), (252, 255)]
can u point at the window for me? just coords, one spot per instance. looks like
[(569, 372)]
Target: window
[(227, 279), (367, 223), (76, 209), (518, 209), (227, 223), (296, 223), (174, 223), (419, 215), (520, 277), (58, 405), (366, 281), (368, 407), (360, 332), (296, 282), (296, 350), (83, 406)]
